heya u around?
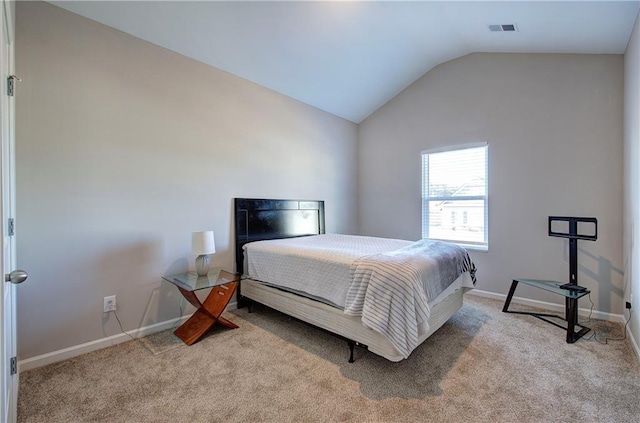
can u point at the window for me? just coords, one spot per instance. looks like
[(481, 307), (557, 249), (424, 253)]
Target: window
[(454, 195)]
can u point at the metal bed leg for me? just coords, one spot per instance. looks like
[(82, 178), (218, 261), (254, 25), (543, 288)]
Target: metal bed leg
[(352, 345)]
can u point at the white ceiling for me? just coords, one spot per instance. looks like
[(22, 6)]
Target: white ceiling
[(350, 58)]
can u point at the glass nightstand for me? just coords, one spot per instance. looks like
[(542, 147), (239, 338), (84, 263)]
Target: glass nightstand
[(222, 283)]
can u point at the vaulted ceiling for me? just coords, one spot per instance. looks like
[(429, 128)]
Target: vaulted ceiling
[(350, 58)]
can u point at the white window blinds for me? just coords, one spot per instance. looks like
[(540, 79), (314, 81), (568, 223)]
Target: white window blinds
[(455, 194)]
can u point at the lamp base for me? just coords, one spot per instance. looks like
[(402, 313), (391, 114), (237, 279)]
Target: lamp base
[(202, 265)]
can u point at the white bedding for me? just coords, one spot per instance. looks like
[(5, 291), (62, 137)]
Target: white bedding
[(393, 291), (316, 266), (389, 284)]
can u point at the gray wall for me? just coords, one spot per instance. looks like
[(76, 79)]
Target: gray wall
[(124, 149), (554, 128), (632, 175)]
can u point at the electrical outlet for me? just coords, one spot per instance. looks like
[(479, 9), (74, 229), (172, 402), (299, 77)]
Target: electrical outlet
[(627, 305), (110, 303)]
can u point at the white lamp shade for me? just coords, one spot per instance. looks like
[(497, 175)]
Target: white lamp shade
[(202, 243)]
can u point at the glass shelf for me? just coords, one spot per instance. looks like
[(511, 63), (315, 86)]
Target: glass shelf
[(190, 281), (553, 286)]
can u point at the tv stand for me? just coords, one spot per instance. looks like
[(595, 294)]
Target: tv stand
[(571, 291), (571, 306)]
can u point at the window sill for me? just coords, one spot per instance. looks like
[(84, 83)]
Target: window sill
[(470, 247), (479, 248)]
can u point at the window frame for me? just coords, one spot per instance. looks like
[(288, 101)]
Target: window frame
[(426, 199)]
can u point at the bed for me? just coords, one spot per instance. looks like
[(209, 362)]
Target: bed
[(292, 266)]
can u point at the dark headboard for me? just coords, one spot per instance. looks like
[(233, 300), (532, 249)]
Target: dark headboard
[(261, 219)]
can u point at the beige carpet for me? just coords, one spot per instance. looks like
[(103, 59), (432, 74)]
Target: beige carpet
[(481, 366)]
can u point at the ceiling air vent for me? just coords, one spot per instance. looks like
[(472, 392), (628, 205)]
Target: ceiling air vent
[(503, 28)]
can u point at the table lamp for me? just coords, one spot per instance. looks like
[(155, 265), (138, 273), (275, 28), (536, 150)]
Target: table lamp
[(202, 244)]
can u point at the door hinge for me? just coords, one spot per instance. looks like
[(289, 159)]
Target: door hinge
[(14, 365), (11, 85), (12, 226)]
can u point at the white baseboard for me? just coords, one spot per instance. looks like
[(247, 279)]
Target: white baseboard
[(98, 344), (601, 315)]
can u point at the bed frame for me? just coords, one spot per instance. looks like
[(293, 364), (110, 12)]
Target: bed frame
[(264, 219)]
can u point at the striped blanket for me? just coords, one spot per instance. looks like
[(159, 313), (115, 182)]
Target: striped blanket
[(392, 290)]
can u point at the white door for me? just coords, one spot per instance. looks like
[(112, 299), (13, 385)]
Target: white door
[(8, 366)]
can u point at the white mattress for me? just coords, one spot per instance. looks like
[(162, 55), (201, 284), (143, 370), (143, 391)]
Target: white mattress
[(314, 266)]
